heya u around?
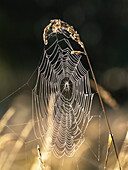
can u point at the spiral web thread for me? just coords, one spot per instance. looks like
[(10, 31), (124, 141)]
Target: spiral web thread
[(62, 74)]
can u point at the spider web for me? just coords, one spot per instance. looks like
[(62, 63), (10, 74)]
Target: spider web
[(63, 74), (61, 102)]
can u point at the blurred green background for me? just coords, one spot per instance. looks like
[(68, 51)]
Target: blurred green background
[(102, 25)]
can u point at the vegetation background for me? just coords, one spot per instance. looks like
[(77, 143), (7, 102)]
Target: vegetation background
[(102, 25)]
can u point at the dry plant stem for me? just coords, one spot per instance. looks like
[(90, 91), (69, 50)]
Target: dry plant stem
[(113, 141)]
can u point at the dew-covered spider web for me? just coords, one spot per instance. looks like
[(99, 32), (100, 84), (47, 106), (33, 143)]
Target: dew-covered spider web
[(62, 73), (65, 120)]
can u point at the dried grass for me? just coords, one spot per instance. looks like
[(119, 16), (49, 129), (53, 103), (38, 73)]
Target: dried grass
[(17, 146)]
